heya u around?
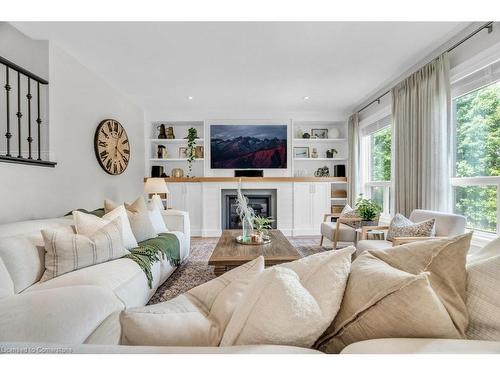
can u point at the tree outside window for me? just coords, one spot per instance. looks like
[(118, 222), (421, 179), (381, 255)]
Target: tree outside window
[(478, 154)]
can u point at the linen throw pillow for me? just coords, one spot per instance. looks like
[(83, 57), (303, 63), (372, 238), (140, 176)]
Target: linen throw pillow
[(293, 303), (348, 212), (88, 224), (483, 297), (138, 215), (157, 220), (195, 318), (400, 226), (65, 252), (415, 290)]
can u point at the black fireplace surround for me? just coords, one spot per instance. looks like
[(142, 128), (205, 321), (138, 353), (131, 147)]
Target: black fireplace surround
[(263, 202)]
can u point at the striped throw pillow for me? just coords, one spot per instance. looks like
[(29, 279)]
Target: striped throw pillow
[(66, 252)]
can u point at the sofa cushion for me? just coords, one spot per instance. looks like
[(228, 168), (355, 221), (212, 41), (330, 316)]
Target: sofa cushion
[(364, 245), (195, 318), (483, 296), (156, 219), (293, 303), (138, 215), (412, 290), (122, 276), (68, 252), (6, 284), (400, 226), (88, 224), (64, 315), (22, 249), (423, 346)]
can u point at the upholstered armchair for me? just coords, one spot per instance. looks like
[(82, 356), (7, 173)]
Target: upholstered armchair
[(338, 231), (446, 225)]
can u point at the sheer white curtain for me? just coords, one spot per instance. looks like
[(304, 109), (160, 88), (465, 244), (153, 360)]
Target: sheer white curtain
[(421, 116), (354, 158)]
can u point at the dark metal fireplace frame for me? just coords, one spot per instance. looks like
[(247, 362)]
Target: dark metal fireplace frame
[(228, 194)]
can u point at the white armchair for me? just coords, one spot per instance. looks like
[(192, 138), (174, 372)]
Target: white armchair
[(446, 225), (338, 231)]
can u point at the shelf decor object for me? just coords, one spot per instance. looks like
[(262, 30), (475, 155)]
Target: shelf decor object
[(156, 186), (191, 149)]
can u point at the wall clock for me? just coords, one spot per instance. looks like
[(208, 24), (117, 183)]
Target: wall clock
[(112, 147)]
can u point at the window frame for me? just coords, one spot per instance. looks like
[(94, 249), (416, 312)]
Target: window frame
[(459, 73), (366, 184)]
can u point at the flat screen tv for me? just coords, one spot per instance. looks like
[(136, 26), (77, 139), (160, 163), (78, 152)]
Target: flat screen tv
[(248, 146)]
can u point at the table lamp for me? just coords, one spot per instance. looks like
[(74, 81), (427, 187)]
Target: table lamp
[(156, 186)]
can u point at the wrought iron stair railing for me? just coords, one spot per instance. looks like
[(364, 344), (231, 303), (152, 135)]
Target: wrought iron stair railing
[(13, 76)]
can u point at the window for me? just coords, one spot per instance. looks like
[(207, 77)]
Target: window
[(376, 138), (476, 185)]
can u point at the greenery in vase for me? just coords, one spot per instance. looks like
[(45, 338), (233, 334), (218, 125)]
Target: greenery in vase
[(262, 224), (367, 209), (191, 144)]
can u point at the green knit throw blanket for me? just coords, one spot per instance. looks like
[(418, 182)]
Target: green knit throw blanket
[(165, 246)]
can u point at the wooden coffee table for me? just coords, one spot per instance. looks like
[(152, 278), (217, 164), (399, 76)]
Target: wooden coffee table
[(229, 254)]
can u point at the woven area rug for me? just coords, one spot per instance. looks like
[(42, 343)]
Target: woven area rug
[(195, 270)]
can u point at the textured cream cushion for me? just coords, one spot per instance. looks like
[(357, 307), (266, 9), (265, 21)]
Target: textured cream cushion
[(483, 293), (195, 318), (65, 315), (157, 220), (88, 224), (68, 252), (6, 284), (293, 303), (412, 290), (346, 232), (123, 276), (400, 226), (138, 215)]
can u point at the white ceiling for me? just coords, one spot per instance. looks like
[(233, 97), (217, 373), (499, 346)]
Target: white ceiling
[(246, 70)]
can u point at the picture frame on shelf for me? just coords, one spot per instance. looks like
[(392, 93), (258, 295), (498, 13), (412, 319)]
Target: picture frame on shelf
[(301, 152), (183, 152), (319, 133)]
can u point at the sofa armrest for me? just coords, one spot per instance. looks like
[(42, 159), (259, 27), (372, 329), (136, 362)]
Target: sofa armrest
[(177, 221)]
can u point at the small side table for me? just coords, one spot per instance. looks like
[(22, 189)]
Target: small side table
[(374, 234)]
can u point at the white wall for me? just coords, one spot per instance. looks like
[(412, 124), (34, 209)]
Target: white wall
[(78, 101)]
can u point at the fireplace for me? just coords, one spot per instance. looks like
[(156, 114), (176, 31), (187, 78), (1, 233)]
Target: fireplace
[(263, 202)]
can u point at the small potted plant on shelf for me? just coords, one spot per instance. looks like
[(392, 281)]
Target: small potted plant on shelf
[(191, 149), (262, 225), (368, 210)]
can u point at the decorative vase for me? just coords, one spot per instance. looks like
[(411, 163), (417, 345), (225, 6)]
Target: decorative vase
[(247, 224)]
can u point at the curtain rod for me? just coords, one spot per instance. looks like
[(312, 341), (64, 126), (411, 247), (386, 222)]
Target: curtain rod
[(487, 25)]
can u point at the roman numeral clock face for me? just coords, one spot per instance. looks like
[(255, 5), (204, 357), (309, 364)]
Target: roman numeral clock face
[(112, 147)]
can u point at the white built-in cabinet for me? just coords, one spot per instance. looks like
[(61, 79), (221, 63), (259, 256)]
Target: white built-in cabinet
[(187, 197), (311, 200)]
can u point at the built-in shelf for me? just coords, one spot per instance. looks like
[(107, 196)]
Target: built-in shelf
[(199, 141), (320, 140), (173, 159), (319, 159), (338, 199)]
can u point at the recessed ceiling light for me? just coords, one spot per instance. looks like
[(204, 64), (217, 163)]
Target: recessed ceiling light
[(190, 98), (306, 98)]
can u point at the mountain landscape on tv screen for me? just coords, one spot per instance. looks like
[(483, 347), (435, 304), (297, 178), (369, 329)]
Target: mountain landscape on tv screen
[(248, 146)]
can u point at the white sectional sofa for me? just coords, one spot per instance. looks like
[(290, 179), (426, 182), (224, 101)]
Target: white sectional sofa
[(70, 308), (79, 312)]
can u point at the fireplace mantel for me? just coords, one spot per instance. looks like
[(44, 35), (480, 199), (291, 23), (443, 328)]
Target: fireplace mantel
[(254, 179)]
